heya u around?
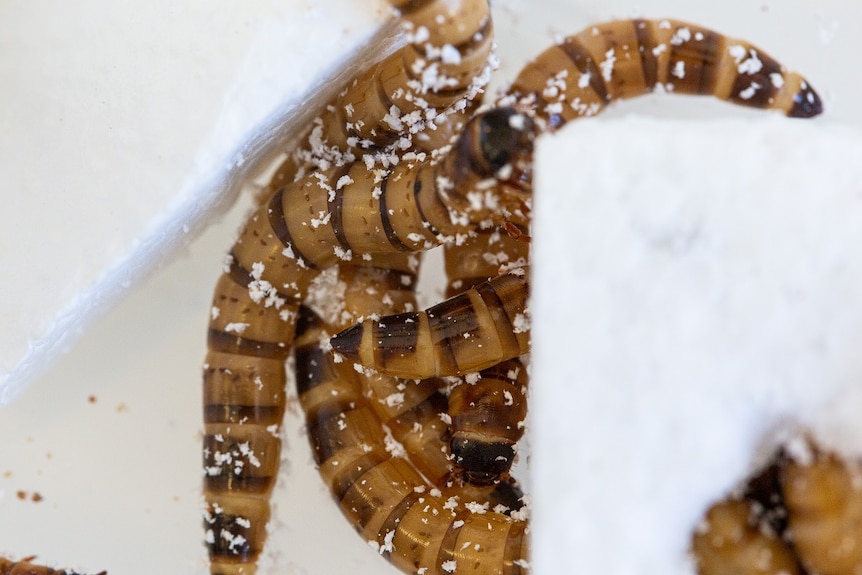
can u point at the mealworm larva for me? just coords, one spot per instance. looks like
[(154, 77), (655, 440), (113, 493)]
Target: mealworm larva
[(418, 97), (306, 226), (419, 527), (347, 210), (410, 409), (627, 58), (25, 567), (576, 78)]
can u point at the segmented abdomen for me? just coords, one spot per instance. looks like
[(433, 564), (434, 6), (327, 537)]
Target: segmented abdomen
[(627, 58), (824, 510), (416, 97), (474, 330), (419, 527)]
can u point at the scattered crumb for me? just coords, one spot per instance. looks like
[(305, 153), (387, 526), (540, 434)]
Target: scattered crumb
[(35, 496)]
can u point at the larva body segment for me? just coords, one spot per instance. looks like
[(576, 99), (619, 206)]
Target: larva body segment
[(474, 330), (486, 410), (824, 507), (25, 567), (410, 409), (420, 527), (309, 225), (627, 58), (732, 542), (414, 98), (488, 421)]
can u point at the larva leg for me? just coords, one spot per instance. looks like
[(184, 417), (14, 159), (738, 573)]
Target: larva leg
[(824, 504), (25, 567), (627, 58)]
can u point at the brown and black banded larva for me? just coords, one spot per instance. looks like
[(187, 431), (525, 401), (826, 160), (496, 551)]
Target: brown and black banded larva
[(419, 521), (340, 209)]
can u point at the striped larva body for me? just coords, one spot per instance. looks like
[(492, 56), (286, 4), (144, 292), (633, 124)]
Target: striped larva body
[(466, 333), (824, 512), (345, 209), (487, 410), (420, 526), (627, 58), (573, 79), (417, 98), (305, 227)]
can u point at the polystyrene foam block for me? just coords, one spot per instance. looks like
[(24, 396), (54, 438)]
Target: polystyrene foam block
[(110, 436), (698, 296), (127, 127)]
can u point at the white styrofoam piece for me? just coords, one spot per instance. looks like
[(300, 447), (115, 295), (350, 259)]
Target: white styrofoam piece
[(123, 474), (128, 126), (705, 298)]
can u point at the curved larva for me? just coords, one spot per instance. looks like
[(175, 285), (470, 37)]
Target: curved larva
[(824, 506), (307, 226), (577, 78), (627, 58), (418, 526), (418, 97), (410, 409), (24, 567), (338, 214)]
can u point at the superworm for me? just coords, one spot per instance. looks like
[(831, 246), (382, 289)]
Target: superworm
[(419, 526), (351, 210), (627, 58), (419, 97), (579, 77), (306, 226)]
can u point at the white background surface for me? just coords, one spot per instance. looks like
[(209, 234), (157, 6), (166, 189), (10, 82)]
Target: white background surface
[(120, 476)]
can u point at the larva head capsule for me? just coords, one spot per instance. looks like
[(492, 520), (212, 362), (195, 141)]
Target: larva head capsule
[(490, 166)]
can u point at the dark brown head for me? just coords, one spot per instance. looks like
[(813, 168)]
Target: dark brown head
[(493, 160)]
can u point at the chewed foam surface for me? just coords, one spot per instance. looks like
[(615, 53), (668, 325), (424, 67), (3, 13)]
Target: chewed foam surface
[(697, 297)]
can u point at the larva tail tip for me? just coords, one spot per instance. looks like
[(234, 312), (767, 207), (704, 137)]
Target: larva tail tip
[(806, 104), (348, 341)]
